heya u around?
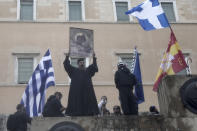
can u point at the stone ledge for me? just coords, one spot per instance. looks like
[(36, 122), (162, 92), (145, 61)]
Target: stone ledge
[(111, 123), (96, 123)]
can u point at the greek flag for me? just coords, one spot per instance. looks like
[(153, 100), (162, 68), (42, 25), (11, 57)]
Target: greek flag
[(34, 96), (139, 92), (150, 15)]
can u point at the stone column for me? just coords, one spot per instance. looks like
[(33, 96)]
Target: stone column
[(177, 117)]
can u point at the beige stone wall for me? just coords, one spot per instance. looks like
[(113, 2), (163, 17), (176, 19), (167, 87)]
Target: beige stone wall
[(91, 10), (187, 11), (95, 10), (104, 8), (8, 9), (51, 10)]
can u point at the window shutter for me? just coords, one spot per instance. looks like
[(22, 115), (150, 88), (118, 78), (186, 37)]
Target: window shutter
[(169, 11), (74, 62), (121, 8), (25, 69), (75, 13), (26, 11), (128, 61)]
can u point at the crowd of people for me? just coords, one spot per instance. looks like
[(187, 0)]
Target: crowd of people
[(54, 108), (82, 100)]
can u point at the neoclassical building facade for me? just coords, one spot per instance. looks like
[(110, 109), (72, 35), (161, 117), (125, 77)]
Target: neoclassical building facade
[(29, 27)]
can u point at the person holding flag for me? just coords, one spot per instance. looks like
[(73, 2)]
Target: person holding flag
[(42, 78)]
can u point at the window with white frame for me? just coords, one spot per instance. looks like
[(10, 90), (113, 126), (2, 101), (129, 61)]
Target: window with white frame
[(127, 59), (24, 66), (121, 8), (75, 59), (26, 10), (168, 8), (25, 70), (75, 10)]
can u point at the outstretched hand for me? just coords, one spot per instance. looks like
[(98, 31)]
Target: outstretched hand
[(94, 55)]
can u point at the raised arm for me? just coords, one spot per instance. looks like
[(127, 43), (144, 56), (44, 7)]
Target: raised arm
[(93, 68), (68, 68)]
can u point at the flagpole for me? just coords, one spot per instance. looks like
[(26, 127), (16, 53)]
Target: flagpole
[(135, 47), (171, 29)]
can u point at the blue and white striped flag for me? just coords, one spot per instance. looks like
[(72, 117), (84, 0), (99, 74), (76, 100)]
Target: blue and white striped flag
[(34, 96), (150, 15), (139, 92)]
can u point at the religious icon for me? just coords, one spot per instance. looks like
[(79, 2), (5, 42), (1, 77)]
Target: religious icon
[(81, 42)]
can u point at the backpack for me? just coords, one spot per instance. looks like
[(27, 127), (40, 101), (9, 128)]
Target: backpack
[(11, 122)]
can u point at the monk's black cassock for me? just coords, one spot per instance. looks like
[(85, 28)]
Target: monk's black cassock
[(82, 100)]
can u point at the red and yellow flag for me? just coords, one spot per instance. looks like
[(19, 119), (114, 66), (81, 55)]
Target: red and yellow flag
[(173, 61)]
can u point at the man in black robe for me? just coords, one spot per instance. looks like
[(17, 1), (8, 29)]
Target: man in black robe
[(81, 100), (125, 81)]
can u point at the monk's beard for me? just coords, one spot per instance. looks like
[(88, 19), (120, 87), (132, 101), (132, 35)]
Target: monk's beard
[(82, 67)]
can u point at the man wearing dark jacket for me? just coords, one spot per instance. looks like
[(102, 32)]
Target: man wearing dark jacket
[(18, 121), (125, 81), (53, 106)]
